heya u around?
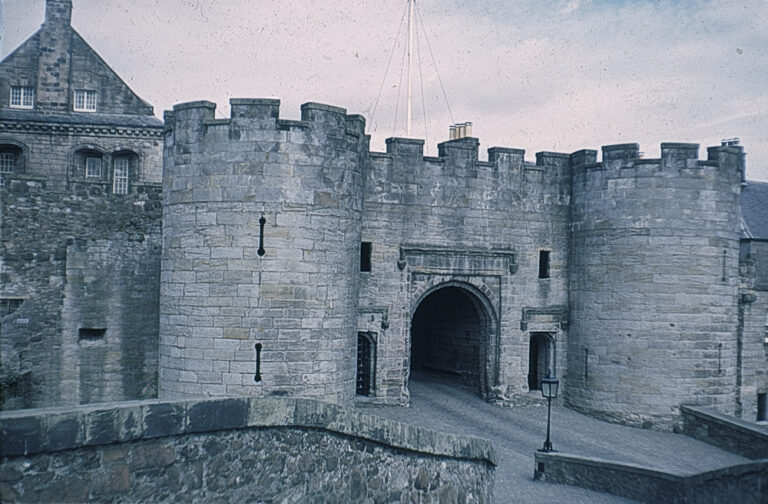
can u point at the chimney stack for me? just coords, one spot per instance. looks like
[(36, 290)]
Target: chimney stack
[(58, 12)]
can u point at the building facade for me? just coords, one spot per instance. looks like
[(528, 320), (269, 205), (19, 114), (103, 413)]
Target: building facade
[(80, 156), (296, 262)]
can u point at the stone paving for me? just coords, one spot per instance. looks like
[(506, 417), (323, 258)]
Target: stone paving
[(440, 404)]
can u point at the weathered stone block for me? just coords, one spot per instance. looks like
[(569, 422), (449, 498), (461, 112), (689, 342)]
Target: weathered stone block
[(217, 415)]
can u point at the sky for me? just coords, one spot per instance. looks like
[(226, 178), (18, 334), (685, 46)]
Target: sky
[(541, 75)]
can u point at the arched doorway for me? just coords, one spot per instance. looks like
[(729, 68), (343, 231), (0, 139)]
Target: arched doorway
[(453, 334)]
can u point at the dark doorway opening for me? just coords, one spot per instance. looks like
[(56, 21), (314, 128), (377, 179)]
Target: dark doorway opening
[(366, 364), (541, 359), (448, 335)]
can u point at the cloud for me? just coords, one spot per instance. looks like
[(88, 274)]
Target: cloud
[(569, 8), (539, 75)]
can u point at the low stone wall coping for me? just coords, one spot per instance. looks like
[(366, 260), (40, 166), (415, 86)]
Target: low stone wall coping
[(744, 483), (26, 432), (726, 420)]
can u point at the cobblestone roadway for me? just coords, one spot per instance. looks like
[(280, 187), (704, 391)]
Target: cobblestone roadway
[(438, 404)]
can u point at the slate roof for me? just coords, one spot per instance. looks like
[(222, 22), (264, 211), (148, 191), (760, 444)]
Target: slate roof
[(754, 210), (94, 119)]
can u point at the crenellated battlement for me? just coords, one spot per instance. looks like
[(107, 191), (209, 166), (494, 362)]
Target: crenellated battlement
[(192, 121), (195, 121), (677, 159)]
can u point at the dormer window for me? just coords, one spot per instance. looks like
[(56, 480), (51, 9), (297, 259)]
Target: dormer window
[(22, 97), (85, 100)]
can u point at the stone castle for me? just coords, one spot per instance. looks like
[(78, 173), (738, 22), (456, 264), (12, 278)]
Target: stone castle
[(258, 256)]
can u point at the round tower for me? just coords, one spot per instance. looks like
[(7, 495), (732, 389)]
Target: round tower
[(261, 241), (654, 281)]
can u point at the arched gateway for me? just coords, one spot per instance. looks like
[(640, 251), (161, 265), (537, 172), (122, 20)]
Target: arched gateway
[(454, 331)]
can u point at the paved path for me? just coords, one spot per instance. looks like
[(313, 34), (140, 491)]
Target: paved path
[(439, 404)]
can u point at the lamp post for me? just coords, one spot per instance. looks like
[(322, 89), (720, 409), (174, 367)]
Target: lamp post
[(549, 386)]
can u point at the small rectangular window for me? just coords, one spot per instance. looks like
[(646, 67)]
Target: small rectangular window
[(9, 305), (120, 178), (91, 334), (762, 407), (85, 100), (7, 162), (365, 256), (22, 97), (543, 263), (93, 167)]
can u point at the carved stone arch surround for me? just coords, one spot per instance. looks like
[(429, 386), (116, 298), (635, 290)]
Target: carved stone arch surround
[(423, 285), (487, 300)]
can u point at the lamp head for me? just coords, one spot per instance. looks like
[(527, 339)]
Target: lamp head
[(549, 386)]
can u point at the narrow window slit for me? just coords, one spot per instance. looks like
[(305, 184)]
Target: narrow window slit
[(543, 263), (257, 376), (365, 256), (261, 250)]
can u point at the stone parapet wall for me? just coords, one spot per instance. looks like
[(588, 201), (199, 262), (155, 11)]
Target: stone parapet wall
[(654, 281), (744, 483), (732, 434), (245, 449)]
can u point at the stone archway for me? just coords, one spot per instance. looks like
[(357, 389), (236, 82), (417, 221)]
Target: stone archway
[(454, 333)]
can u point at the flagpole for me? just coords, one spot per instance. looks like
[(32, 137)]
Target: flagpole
[(410, 63)]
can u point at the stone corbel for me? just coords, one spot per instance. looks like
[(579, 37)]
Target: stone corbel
[(402, 261), (513, 264)]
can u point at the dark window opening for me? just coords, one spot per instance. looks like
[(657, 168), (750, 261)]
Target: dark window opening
[(762, 407), (543, 263), (9, 305), (91, 334), (541, 359), (365, 256), (366, 364)]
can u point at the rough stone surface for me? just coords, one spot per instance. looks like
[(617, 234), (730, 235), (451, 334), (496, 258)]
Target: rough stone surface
[(654, 282), (283, 450), (74, 256), (79, 261)]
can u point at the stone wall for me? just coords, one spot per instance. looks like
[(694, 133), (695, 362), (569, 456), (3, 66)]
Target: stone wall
[(71, 261), (235, 450), (261, 222), (744, 483), (56, 61), (654, 281), (726, 432), (56, 151), (456, 221), (753, 328)]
